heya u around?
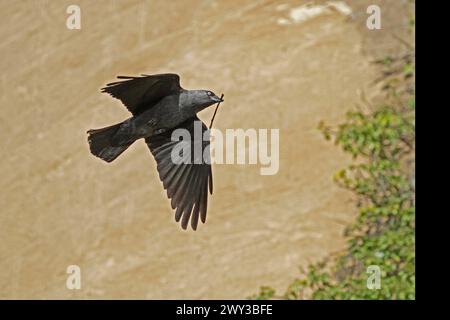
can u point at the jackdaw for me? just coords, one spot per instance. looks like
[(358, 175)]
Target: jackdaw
[(159, 106)]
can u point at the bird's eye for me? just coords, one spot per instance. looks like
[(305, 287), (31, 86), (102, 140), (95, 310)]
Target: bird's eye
[(209, 93)]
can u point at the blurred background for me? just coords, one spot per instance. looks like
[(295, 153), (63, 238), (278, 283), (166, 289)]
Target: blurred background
[(281, 64)]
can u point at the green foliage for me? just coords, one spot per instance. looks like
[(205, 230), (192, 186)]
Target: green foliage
[(265, 293), (384, 233), (385, 134)]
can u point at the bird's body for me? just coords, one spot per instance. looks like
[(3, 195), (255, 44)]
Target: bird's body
[(159, 105), (165, 115)]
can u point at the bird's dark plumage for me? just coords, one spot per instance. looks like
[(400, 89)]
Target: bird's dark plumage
[(141, 93), (186, 184), (159, 106)]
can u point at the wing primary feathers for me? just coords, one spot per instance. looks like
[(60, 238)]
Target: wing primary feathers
[(210, 180), (199, 188), (186, 183), (180, 186), (183, 186), (204, 202), (194, 219), (172, 180), (186, 216), (189, 197), (178, 214)]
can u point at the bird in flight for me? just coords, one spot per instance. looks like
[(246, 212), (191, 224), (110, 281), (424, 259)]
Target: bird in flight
[(159, 105)]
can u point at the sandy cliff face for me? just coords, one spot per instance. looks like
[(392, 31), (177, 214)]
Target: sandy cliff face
[(62, 206)]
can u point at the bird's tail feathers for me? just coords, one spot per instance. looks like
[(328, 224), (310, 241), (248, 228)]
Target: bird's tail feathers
[(100, 143)]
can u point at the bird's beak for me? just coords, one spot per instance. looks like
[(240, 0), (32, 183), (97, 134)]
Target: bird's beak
[(216, 99)]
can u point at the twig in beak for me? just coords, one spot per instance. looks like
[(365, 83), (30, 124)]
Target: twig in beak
[(215, 111)]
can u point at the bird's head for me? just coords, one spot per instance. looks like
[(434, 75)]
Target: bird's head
[(199, 99)]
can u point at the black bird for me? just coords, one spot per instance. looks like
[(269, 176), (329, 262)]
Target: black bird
[(159, 105)]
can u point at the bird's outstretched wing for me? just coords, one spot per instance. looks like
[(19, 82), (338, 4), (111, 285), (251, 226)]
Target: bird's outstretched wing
[(141, 93), (186, 182)]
